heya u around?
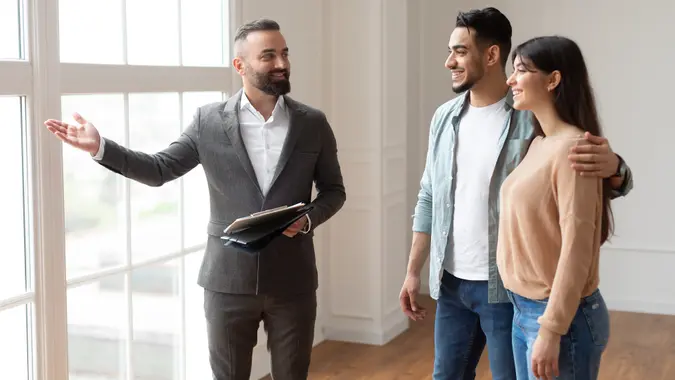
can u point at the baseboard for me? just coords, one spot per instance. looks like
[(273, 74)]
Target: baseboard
[(640, 306), (649, 290), (395, 324), (638, 280)]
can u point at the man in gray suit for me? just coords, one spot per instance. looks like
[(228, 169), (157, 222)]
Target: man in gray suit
[(260, 149)]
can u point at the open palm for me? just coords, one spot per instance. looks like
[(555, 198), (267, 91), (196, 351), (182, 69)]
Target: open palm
[(83, 136)]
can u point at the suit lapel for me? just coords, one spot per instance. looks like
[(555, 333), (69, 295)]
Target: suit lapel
[(231, 125), (296, 124)]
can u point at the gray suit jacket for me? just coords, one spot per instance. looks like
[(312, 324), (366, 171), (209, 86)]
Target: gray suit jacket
[(287, 265)]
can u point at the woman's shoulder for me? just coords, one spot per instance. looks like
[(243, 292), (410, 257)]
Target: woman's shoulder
[(558, 148), (565, 140)]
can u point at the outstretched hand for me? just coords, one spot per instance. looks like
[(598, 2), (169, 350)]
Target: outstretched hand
[(83, 136), (594, 159)]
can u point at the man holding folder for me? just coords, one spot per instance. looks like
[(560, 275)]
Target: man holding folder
[(260, 150)]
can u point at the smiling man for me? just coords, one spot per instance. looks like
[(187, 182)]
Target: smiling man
[(260, 149), (475, 141)]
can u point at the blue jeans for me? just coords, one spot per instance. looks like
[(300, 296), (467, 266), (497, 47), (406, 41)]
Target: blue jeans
[(465, 322), (580, 349)]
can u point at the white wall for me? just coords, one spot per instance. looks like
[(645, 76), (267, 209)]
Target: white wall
[(629, 53), (376, 68), (630, 61), (369, 111)]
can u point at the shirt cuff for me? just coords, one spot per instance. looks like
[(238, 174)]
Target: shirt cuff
[(101, 149), (308, 226)]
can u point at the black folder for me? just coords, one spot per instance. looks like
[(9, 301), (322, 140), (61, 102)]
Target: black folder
[(255, 232)]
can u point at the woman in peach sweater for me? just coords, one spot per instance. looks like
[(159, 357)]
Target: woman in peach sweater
[(553, 221)]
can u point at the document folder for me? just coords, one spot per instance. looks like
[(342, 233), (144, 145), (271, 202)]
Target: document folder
[(253, 233)]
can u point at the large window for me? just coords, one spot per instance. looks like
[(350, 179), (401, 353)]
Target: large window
[(98, 276)]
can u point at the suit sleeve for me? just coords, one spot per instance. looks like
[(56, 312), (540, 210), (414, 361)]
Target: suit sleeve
[(156, 169), (330, 188)]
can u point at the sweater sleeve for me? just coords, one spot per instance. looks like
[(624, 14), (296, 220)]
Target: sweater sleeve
[(579, 202)]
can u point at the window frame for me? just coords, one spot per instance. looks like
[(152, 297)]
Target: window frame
[(42, 79)]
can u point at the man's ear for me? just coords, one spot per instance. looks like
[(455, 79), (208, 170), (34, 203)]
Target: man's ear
[(554, 80), (493, 54), (238, 64)]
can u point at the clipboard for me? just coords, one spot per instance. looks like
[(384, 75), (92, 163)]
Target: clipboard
[(255, 232)]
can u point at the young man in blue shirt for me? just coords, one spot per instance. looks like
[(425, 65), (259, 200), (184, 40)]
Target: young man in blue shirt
[(475, 141)]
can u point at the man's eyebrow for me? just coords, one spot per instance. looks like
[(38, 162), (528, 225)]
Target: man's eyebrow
[(455, 47), (270, 50)]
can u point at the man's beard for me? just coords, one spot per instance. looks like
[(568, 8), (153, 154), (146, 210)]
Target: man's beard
[(275, 87), (466, 86), (470, 81)]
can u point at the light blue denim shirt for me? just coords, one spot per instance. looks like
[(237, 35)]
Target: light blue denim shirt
[(435, 203)]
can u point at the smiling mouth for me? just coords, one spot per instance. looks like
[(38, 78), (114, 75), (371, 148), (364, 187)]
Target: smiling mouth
[(457, 74), (517, 92), (278, 75)]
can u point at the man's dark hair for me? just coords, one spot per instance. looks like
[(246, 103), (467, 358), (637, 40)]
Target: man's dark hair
[(491, 28), (262, 24)]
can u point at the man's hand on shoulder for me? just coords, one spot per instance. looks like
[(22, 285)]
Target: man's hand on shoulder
[(595, 159)]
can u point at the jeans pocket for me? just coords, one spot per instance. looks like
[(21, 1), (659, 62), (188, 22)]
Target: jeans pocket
[(597, 318)]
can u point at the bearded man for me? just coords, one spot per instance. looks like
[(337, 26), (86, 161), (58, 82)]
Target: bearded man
[(260, 149)]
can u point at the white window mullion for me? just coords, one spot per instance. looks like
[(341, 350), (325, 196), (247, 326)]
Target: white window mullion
[(180, 33), (181, 275), (15, 301), (125, 55), (236, 16), (46, 187), (181, 195), (112, 271), (183, 323), (128, 290), (84, 78)]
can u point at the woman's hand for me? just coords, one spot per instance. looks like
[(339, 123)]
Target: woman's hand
[(545, 354)]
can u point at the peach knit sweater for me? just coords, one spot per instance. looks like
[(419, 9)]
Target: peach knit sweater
[(549, 231)]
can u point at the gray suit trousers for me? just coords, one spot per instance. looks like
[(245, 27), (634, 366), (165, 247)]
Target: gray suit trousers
[(232, 325)]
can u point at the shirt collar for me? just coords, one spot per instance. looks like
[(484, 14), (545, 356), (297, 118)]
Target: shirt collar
[(508, 104), (245, 102)]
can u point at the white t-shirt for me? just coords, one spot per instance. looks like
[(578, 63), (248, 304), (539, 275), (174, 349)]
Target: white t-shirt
[(476, 156)]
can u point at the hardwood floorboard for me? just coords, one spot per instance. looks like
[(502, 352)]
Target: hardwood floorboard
[(642, 347)]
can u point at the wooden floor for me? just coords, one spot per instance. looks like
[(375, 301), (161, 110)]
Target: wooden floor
[(642, 347)]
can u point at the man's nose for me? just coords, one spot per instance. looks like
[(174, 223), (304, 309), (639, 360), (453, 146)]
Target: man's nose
[(281, 63), (450, 63)]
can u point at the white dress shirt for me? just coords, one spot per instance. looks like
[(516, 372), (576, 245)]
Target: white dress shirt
[(263, 139)]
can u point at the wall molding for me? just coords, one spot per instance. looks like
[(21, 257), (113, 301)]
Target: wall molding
[(638, 249), (621, 285), (632, 305), (365, 336)]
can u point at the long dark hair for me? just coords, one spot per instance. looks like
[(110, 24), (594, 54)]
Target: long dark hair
[(573, 97)]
